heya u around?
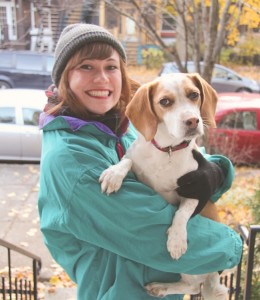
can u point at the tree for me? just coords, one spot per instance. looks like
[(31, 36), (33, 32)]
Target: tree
[(203, 27)]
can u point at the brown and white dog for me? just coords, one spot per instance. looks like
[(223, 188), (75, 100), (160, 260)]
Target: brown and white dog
[(170, 114)]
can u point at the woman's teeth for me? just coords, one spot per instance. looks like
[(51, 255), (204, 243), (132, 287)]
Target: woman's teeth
[(99, 93)]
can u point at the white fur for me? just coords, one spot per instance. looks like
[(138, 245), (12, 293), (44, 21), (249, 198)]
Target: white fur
[(153, 168)]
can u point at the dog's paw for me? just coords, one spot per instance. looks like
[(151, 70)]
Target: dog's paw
[(177, 242), (157, 289), (110, 180)]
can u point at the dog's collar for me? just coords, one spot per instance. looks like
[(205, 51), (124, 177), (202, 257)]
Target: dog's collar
[(171, 149)]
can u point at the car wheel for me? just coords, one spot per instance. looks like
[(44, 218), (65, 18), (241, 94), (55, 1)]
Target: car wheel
[(4, 85), (244, 90)]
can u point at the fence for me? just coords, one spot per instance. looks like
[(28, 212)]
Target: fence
[(13, 287), (233, 280)]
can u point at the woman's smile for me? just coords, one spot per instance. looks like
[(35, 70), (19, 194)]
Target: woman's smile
[(99, 93)]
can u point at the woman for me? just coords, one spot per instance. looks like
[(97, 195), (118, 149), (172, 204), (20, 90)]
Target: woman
[(112, 246)]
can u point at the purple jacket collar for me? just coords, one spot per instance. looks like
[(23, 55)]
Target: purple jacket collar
[(75, 124)]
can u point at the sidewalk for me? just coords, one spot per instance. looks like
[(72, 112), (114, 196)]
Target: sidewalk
[(19, 223)]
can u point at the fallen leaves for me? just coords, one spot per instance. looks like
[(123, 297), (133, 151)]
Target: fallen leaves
[(235, 206), (59, 279), (24, 274), (32, 231), (10, 195), (24, 244)]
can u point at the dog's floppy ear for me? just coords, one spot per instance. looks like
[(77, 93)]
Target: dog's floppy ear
[(140, 113), (209, 99)]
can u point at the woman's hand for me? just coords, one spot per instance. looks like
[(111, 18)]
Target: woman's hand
[(202, 183)]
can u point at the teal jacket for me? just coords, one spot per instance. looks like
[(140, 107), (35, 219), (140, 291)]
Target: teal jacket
[(111, 246)]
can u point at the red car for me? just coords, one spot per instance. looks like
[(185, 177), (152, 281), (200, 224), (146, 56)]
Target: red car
[(237, 135)]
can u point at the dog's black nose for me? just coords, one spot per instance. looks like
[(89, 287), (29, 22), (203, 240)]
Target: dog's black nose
[(192, 123)]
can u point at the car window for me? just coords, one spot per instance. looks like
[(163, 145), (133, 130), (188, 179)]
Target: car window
[(50, 62), (240, 120), (6, 60), (223, 74), (29, 62), (219, 73), (249, 120), (31, 116), (7, 115)]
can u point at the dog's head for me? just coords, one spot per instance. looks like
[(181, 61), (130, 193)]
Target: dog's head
[(180, 101)]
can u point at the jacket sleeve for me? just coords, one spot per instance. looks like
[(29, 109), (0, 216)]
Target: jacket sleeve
[(228, 171), (132, 223)]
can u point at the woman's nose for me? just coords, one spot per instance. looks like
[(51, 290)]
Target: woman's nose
[(100, 76)]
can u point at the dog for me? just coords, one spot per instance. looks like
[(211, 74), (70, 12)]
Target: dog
[(169, 114)]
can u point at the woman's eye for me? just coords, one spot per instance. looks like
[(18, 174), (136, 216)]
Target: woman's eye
[(86, 67), (165, 102), (193, 95), (112, 67)]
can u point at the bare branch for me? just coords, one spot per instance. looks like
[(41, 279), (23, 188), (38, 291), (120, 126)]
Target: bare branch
[(222, 30), (212, 35)]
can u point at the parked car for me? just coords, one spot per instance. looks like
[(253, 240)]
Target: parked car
[(25, 69), (19, 131), (224, 80), (238, 128)]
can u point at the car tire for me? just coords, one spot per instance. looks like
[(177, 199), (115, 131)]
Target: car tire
[(4, 85), (244, 90)]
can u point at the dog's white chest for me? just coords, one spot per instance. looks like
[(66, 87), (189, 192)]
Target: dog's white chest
[(161, 170)]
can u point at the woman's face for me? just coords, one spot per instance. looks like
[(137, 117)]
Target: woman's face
[(97, 84)]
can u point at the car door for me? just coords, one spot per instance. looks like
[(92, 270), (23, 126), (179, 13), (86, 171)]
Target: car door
[(224, 81), (10, 136), (237, 136), (29, 71), (31, 134)]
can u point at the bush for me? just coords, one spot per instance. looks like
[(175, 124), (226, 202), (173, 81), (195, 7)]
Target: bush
[(152, 58), (245, 53)]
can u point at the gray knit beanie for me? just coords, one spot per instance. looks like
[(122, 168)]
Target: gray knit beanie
[(75, 36)]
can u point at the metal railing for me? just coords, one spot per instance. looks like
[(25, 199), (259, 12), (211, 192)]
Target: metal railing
[(250, 239), (233, 280), (12, 287)]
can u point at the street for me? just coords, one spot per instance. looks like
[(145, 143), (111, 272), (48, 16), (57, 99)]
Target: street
[(19, 222)]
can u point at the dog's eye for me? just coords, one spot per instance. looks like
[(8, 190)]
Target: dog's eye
[(193, 95), (165, 102)]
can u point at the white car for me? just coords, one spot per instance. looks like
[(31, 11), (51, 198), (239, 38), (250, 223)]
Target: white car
[(19, 131)]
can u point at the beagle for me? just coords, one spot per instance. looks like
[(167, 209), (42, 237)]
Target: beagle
[(170, 114)]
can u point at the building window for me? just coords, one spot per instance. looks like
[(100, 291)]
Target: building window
[(7, 21)]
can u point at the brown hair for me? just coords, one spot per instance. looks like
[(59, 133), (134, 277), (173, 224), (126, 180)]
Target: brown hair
[(67, 97)]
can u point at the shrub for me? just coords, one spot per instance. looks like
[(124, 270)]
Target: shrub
[(152, 57), (245, 53)]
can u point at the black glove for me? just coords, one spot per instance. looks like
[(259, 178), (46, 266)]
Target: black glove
[(202, 183)]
